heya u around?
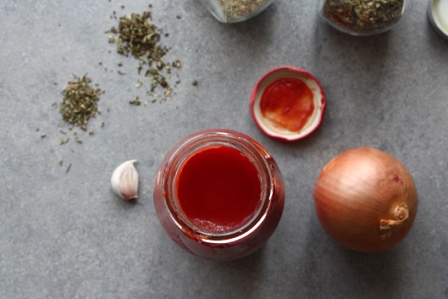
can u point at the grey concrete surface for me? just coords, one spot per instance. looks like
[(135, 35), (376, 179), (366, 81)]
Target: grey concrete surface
[(64, 234)]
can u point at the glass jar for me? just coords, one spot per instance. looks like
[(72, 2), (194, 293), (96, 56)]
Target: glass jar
[(438, 16), (362, 17), (219, 194), (232, 11)]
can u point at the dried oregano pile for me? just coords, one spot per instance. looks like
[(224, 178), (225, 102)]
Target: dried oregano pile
[(135, 36), (138, 37), (78, 105), (79, 101)]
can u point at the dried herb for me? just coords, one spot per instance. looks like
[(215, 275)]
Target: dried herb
[(64, 141), (137, 36), (79, 102), (236, 9), (363, 16), (136, 102)]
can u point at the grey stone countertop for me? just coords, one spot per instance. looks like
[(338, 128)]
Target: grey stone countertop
[(64, 234)]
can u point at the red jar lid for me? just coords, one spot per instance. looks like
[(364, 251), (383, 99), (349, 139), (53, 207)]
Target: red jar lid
[(288, 103)]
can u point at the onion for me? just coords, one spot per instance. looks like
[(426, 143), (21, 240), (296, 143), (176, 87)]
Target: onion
[(366, 199)]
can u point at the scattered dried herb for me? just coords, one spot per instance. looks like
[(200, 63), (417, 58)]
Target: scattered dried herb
[(136, 102), (138, 37), (79, 102), (64, 141), (363, 16), (236, 9)]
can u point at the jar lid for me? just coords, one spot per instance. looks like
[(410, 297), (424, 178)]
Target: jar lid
[(438, 16), (288, 103)]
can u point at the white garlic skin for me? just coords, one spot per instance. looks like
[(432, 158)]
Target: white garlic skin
[(124, 180)]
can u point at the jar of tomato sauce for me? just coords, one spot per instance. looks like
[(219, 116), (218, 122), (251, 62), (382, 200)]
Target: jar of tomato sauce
[(219, 194)]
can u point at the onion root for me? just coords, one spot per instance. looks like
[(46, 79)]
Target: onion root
[(400, 214)]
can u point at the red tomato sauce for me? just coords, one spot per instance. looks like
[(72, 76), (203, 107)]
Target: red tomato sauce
[(287, 103), (218, 188)]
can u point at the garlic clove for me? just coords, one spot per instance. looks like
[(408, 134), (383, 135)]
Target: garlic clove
[(124, 180)]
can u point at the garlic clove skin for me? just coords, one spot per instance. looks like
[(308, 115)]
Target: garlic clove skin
[(124, 180)]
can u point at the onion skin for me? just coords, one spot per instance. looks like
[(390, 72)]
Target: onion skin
[(366, 199)]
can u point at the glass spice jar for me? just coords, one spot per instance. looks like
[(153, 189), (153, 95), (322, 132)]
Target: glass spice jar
[(362, 17), (219, 194), (232, 11)]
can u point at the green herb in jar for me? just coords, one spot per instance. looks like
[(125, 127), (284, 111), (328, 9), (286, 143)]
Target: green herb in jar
[(363, 16), (235, 9)]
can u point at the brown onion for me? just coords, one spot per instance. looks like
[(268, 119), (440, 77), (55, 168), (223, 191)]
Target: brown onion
[(366, 199)]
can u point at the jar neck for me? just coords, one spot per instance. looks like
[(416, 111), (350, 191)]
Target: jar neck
[(249, 148)]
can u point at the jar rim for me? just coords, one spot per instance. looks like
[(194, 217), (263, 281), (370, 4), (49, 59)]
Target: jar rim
[(252, 150)]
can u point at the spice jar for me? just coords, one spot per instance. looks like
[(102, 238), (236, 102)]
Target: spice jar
[(219, 194), (232, 11), (438, 16), (362, 17)]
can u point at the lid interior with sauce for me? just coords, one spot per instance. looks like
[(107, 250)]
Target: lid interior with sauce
[(279, 121)]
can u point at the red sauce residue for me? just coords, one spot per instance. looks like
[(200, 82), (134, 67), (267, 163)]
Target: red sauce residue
[(218, 188), (287, 103)]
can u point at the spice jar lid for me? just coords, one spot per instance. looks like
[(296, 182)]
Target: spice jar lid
[(288, 103), (438, 17)]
